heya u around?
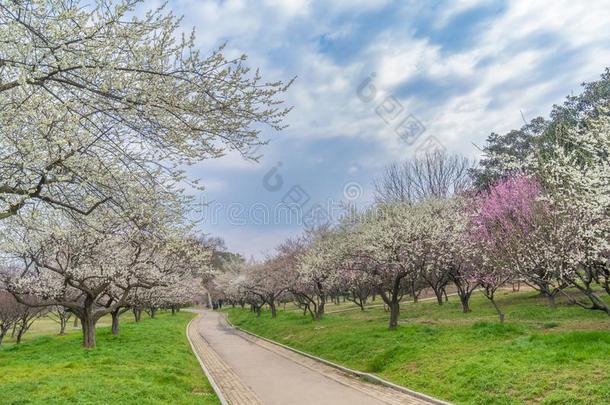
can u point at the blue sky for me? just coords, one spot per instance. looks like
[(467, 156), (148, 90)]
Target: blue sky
[(461, 69)]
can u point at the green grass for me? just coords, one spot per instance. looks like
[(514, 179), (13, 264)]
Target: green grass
[(539, 355), (148, 363), (45, 326)]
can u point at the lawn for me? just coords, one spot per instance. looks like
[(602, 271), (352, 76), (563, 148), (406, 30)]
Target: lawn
[(148, 363), (539, 355)]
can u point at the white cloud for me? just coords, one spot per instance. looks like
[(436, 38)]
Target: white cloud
[(454, 8), (499, 74)]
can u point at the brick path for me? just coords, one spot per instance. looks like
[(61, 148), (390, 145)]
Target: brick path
[(248, 370), (234, 391)]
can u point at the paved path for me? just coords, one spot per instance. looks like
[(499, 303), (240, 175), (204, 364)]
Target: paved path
[(252, 371)]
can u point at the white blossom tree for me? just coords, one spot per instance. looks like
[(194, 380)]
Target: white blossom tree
[(90, 267), (9, 313), (575, 171), (393, 240), (317, 272), (98, 105)]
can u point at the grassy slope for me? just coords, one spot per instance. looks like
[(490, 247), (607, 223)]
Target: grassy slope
[(149, 362), (46, 326), (540, 354)]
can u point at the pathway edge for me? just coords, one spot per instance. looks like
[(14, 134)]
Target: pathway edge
[(207, 373), (366, 376)]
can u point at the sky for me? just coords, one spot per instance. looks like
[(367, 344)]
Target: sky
[(379, 82)]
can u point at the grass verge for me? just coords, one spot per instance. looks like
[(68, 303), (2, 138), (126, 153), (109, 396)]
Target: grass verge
[(150, 362), (540, 355)]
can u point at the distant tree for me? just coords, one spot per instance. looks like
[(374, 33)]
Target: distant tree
[(267, 281), (492, 276), (221, 258), (62, 316), (358, 284), (9, 313), (27, 316), (433, 175), (317, 272), (502, 154)]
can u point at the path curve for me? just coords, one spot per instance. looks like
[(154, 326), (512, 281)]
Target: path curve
[(248, 370)]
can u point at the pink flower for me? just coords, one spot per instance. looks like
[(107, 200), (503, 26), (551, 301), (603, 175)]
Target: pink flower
[(508, 208)]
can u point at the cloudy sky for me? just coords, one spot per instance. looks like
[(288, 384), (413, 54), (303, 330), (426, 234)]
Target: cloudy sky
[(376, 82)]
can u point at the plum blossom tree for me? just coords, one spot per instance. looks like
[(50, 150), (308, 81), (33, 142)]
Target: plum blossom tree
[(575, 170), (9, 313), (451, 253), (357, 284), (393, 239), (173, 268), (27, 315), (317, 274), (95, 100), (269, 281), (463, 275), (90, 267), (491, 275), (62, 316), (226, 285), (555, 229), (513, 220), (58, 265)]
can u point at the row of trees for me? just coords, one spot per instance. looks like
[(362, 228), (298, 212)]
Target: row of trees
[(541, 216), (100, 112)]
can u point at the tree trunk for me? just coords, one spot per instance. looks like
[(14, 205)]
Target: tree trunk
[(88, 321), (551, 298), (500, 313), (273, 309), (62, 326), (439, 297), (115, 321), (320, 310), (173, 311), (75, 324), (394, 313), (88, 324), (597, 302), (465, 300), (153, 312), (137, 314), (20, 334), (3, 333)]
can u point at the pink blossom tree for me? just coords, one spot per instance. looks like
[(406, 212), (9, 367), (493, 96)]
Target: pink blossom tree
[(510, 222)]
